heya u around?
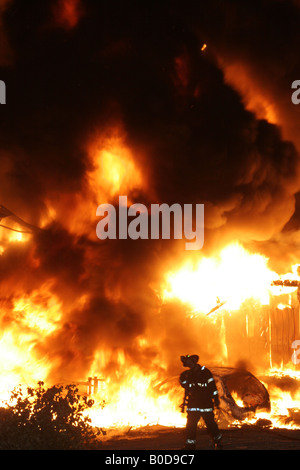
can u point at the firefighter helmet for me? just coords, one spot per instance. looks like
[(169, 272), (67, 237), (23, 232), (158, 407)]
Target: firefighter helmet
[(189, 357)]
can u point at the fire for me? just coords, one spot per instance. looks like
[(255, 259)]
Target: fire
[(130, 397), (231, 277), (285, 405), (69, 302), (255, 100), (38, 312), (114, 169), (30, 318), (10, 236), (18, 364), (136, 403)]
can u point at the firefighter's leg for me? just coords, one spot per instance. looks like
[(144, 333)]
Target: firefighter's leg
[(212, 428), (191, 429)]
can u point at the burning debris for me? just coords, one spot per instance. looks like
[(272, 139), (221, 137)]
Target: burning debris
[(245, 387), (241, 394)]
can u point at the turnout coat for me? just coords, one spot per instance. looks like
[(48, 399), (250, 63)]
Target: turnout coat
[(200, 389)]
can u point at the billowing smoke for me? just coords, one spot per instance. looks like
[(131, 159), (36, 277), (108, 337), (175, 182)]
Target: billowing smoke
[(254, 44), (75, 69)]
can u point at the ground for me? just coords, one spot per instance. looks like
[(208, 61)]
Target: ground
[(244, 438)]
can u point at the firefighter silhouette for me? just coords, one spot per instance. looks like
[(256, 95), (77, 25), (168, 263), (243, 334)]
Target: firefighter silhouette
[(201, 396)]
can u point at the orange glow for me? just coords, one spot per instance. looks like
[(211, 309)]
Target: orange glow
[(32, 318), (74, 307), (283, 403), (182, 72), (11, 236), (39, 312), (67, 13), (49, 216), (254, 99), (232, 277), (114, 169), (132, 397), (135, 403)]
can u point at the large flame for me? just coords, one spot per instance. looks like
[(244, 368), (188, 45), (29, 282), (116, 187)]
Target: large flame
[(231, 277), (234, 275), (131, 397), (137, 402), (27, 319)]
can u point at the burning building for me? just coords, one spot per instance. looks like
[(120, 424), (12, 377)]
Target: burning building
[(163, 106)]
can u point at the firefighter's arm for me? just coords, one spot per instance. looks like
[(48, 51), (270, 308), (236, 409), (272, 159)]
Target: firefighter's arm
[(216, 399), (183, 379), (214, 391)]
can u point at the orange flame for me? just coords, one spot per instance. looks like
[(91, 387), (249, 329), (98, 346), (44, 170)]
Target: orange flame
[(133, 397), (114, 169), (136, 403), (232, 277)]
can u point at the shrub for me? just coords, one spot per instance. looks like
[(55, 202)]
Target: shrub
[(45, 419)]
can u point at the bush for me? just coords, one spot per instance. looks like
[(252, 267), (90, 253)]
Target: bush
[(44, 419)]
